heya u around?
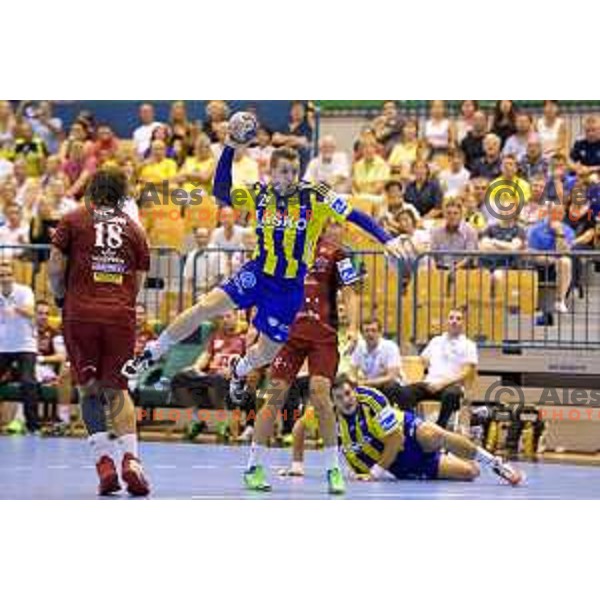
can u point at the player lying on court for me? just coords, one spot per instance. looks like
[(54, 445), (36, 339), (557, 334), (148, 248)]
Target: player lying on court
[(97, 267), (313, 337), (383, 442), (289, 216)]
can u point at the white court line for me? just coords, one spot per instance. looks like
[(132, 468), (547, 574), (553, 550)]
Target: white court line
[(58, 466), (204, 467), (163, 467)]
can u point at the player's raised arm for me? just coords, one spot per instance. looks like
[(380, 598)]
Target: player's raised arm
[(223, 176)]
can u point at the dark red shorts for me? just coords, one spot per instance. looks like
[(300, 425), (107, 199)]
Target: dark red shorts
[(322, 355), (99, 351)]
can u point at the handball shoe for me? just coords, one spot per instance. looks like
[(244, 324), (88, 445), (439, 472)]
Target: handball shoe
[(109, 478), (133, 475)]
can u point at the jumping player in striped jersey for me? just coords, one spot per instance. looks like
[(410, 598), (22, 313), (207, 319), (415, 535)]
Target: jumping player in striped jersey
[(289, 217)]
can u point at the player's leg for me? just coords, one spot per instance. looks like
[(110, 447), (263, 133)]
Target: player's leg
[(83, 342), (64, 391), (433, 438), (285, 367), (118, 342), (26, 362), (323, 360)]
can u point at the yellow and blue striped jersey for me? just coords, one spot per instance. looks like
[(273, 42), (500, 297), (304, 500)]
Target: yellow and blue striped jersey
[(289, 227), (362, 434)]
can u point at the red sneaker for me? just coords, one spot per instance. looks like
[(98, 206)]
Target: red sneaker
[(109, 478), (133, 475)]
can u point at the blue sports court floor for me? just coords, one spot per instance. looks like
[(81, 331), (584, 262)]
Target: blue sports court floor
[(35, 468)]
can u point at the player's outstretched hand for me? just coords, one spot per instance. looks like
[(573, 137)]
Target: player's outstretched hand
[(401, 248)]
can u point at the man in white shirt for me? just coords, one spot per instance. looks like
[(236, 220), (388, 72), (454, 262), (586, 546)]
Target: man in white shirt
[(455, 178), (14, 232), (376, 361), (202, 270), (18, 339), (450, 359), (330, 166), (143, 134)]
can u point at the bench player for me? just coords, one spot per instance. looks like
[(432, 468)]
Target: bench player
[(97, 267), (313, 336)]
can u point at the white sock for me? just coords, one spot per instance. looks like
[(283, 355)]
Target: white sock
[(64, 413), (243, 367), (255, 452), (101, 445), (19, 414), (129, 444), (331, 457), (483, 457)]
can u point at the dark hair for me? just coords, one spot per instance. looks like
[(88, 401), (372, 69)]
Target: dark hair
[(342, 380), (371, 320), (284, 153), (393, 183), (42, 302), (499, 115), (107, 187), (410, 214), (475, 104)]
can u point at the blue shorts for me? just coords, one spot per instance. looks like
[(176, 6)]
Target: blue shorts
[(277, 300), (413, 462)]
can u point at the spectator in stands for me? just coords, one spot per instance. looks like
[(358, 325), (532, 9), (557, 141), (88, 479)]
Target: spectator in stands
[(501, 240), (407, 225), (424, 193), (245, 169), (18, 344), (158, 168), (30, 147), (202, 269), (199, 169), (329, 166), (508, 178), (14, 232), (551, 234), (407, 151), (466, 122), (439, 130), (8, 125), (21, 179), (455, 178), (106, 142), (392, 206), (455, 235), (179, 122), (451, 361), (472, 143), (52, 367), (261, 153), (376, 361), (142, 134), (474, 215), (45, 126), (8, 195), (162, 133), (503, 121), (206, 383), (552, 130), (6, 167), (370, 172), (78, 167), (217, 113), (79, 133), (516, 144), (580, 217), (490, 164), (388, 126), (585, 154), (299, 133), (220, 135), (229, 236), (534, 162), (537, 207), (52, 170)]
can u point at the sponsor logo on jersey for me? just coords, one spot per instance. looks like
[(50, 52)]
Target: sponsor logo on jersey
[(387, 419)]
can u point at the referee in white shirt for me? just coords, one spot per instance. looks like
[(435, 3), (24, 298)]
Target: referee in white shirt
[(450, 360), (18, 339)]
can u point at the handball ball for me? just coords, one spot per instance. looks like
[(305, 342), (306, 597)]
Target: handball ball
[(242, 127)]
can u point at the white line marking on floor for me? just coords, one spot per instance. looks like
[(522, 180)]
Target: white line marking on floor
[(163, 466), (58, 466), (204, 467)]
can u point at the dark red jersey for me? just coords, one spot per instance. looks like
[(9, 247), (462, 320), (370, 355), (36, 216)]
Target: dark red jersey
[(104, 255), (332, 269)]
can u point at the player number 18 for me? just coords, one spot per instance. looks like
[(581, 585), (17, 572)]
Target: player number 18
[(108, 234)]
